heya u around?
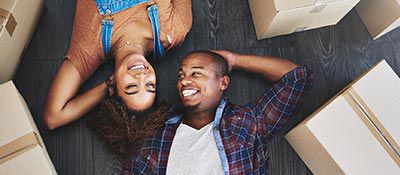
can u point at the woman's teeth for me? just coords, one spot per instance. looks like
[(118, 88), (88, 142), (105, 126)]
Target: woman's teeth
[(139, 66)]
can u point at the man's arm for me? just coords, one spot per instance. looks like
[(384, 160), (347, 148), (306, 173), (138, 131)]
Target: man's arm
[(284, 98), (272, 68)]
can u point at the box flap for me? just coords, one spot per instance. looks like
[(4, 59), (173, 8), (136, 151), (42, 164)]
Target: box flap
[(270, 22), (16, 120), (263, 12), (34, 161), (379, 17), (380, 90), (292, 4), (319, 161), (16, 38), (349, 141), (7, 5)]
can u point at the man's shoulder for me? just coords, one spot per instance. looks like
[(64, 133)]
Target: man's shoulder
[(238, 108), (235, 111)]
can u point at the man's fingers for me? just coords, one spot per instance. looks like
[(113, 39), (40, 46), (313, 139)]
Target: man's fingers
[(219, 52)]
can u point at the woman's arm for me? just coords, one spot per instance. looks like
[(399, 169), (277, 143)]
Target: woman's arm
[(181, 19), (63, 104)]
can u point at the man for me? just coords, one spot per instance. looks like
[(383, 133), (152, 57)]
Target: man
[(212, 136)]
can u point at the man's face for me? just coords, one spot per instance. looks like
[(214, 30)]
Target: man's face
[(199, 84), (136, 82)]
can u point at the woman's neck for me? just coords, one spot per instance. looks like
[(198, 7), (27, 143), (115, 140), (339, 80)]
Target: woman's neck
[(124, 48)]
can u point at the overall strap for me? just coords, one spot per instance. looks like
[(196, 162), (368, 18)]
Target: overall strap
[(106, 32), (152, 10)]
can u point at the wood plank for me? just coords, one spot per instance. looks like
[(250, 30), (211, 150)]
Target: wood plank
[(70, 147), (24, 78), (205, 24), (104, 161), (54, 29), (230, 19)]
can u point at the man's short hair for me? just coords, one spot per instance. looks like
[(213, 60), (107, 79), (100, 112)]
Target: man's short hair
[(220, 62)]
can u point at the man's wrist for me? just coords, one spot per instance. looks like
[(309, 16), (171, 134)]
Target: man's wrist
[(235, 61)]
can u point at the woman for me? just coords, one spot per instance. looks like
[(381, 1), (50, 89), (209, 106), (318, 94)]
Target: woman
[(123, 30)]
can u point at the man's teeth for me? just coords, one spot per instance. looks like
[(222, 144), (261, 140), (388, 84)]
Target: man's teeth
[(139, 66), (190, 92)]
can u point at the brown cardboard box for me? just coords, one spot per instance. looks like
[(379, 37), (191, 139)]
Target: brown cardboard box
[(279, 17), (380, 17), (22, 150), (18, 19), (357, 131)]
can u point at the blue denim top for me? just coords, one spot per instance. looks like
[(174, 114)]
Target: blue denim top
[(109, 7)]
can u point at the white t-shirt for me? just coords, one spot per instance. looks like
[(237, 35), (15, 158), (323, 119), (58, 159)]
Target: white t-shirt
[(194, 152)]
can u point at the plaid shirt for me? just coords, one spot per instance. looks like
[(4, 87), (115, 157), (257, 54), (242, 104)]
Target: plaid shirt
[(241, 132)]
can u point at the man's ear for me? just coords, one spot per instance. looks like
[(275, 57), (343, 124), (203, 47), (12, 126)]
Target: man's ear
[(225, 82)]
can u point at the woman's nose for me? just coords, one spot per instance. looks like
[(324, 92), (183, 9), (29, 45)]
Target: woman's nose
[(140, 73)]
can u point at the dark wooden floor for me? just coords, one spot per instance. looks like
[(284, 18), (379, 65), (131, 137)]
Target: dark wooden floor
[(336, 55)]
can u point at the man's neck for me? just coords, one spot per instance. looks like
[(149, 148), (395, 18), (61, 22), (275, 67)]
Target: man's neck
[(198, 119)]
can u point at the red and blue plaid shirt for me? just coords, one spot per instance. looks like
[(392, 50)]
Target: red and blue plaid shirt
[(241, 132)]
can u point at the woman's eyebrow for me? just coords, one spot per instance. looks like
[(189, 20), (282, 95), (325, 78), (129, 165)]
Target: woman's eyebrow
[(131, 93)]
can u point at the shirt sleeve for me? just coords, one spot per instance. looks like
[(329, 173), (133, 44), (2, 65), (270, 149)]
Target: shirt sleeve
[(282, 101), (85, 44)]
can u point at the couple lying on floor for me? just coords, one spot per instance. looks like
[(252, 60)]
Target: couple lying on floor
[(205, 133)]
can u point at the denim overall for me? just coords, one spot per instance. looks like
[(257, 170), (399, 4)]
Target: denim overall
[(109, 7)]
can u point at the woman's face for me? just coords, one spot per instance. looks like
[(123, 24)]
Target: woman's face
[(136, 82)]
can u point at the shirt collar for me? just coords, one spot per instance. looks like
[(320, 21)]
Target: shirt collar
[(218, 115)]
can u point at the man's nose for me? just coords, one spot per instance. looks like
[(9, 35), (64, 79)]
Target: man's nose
[(186, 81)]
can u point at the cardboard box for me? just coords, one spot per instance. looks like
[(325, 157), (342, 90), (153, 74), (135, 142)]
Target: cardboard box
[(22, 150), (279, 17), (357, 131), (380, 17), (18, 19)]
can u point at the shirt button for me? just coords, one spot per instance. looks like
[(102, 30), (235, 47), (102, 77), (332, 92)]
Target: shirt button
[(226, 173), (220, 148), (108, 12), (148, 157)]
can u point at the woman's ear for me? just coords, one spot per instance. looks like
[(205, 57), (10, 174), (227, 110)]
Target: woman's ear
[(225, 82), (110, 82)]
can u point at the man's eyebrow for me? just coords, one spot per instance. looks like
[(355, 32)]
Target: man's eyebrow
[(194, 67)]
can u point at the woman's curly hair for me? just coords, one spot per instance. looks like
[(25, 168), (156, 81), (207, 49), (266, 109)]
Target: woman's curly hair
[(123, 130)]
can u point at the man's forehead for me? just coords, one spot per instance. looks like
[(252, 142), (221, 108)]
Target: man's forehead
[(200, 59)]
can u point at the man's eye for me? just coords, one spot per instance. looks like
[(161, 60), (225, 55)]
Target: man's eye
[(196, 74), (180, 76)]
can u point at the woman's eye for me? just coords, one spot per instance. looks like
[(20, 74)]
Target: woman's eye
[(152, 85), (132, 86)]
